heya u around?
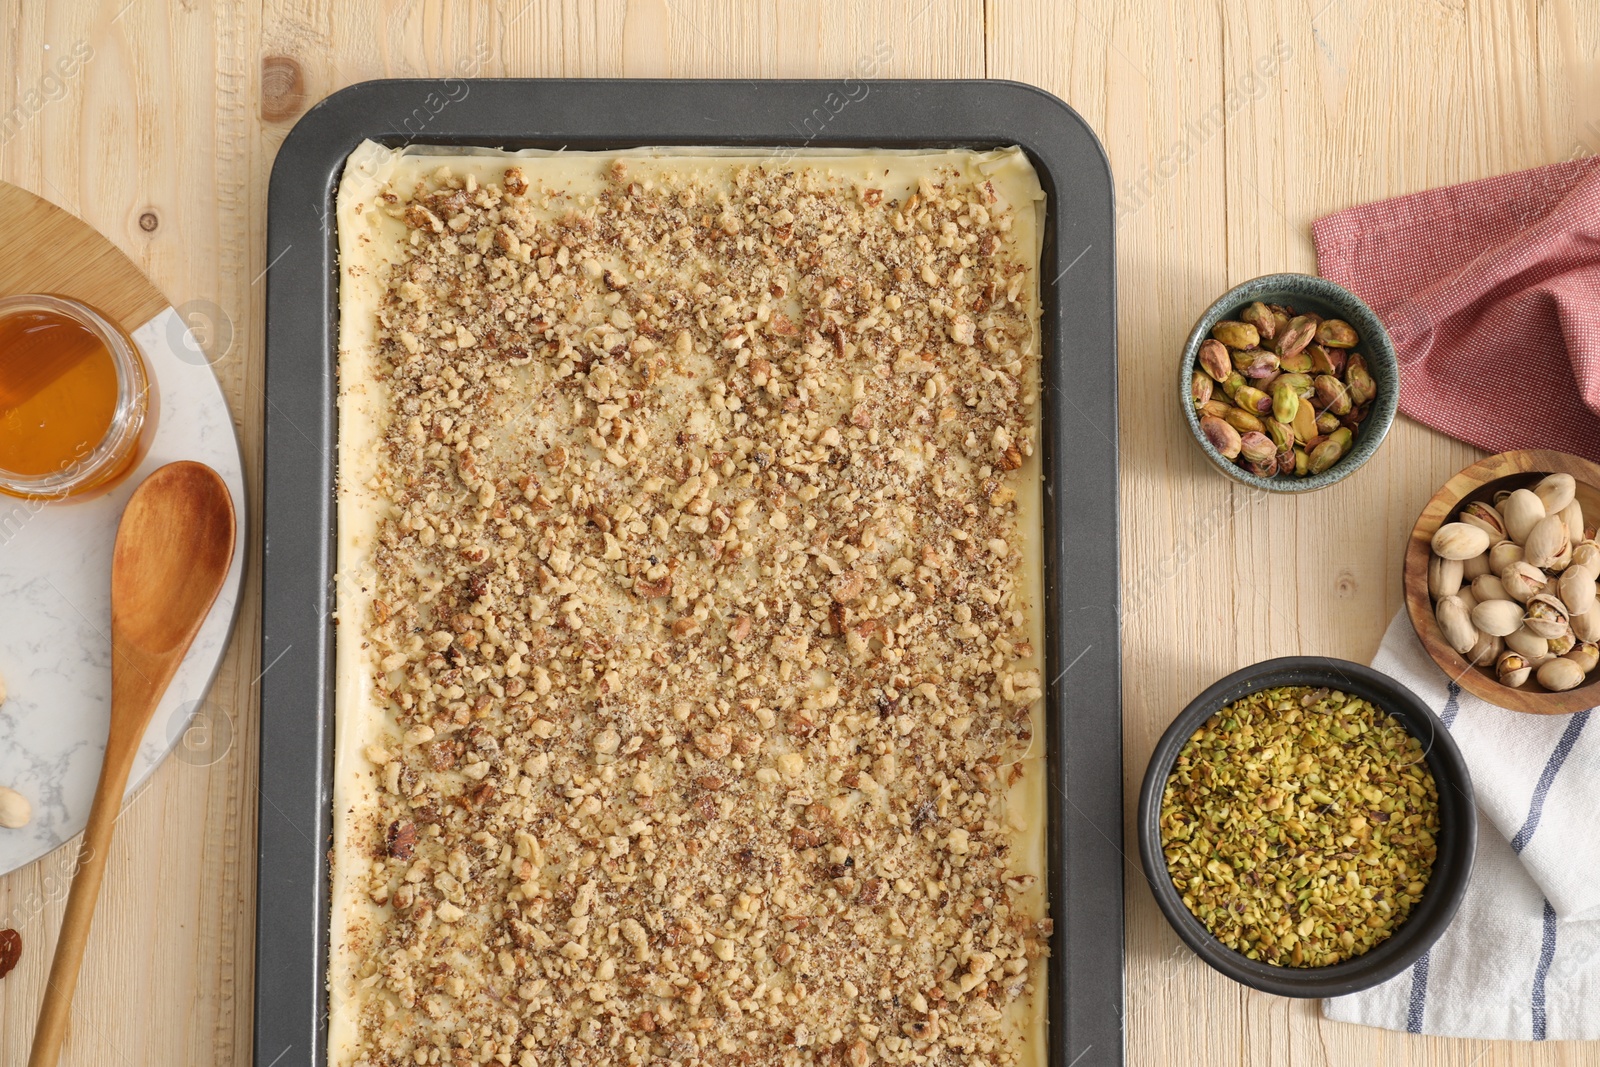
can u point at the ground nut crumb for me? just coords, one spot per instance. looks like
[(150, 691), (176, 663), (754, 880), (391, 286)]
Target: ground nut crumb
[(704, 646)]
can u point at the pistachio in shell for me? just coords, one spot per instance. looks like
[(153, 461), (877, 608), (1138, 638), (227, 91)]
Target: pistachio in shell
[(1298, 334), (1253, 400), (1359, 381), (1285, 401), (1257, 447), (1467, 596), (1455, 622), (1223, 438), (1512, 668), (1586, 554), (1586, 627), (1485, 517), (1234, 334), (1214, 359), (1497, 617), (1576, 589), (1260, 316), (1487, 586), (1521, 512), (1457, 540), (1474, 567), (1444, 576), (1560, 646), (1331, 395), (1330, 451), (1528, 644), (1486, 651), (1336, 333), (1522, 580), (1546, 616), (1585, 654), (1558, 675), (1503, 554), (1556, 491), (1547, 542)]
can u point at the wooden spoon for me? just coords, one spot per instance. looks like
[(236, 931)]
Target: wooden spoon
[(174, 547)]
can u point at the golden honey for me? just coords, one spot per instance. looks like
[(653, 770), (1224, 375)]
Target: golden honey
[(74, 399)]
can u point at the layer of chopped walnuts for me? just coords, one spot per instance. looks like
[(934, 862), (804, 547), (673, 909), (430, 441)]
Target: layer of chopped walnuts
[(699, 615)]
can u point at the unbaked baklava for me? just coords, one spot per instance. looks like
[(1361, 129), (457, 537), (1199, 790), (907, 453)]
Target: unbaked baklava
[(689, 704)]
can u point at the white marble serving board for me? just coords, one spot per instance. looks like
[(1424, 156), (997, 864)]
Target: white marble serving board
[(55, 612)]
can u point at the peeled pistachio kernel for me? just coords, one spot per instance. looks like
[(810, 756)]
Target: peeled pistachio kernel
[(1556, 491), (1223, 438), (1498, 617), (1576, 589), (1359, 381), (1327, 422), (1336, 333), (1455, 622), (1475, 568), (1243, 421), (1512, 668), (1298, 334), (1522, 580), (1559, 675), (1232, 384), (1256, 447), (1255, 363), (1330, 451), (1457, 540), (1217, 409), (1547, 541), (1282, 435), (1260, 316), (1546, 616), (1285, 401), (1487, 587), (1200, 387), (1331, 395), (1253, 400), (1585, 655), (1521, 511), (1444, 576), (1486, 518), (1214, 359), (1236, 334), (1528, 643)]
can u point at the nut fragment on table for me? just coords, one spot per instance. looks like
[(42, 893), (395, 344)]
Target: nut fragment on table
[(1269, 372), (1298, 824), (15, 811), (1513, 584)]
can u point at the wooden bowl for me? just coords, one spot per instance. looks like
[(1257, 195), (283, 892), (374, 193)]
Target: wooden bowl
[(1481, 481)]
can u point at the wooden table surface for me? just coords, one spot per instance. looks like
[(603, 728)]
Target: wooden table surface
[(1230, 127)]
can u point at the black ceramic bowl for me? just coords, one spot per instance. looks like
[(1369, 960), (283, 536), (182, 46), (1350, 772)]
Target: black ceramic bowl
[(1457, 837)]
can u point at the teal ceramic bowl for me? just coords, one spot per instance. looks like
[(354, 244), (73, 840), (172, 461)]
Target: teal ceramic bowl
[(1303, 292)]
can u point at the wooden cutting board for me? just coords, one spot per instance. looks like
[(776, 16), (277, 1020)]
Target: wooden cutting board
[(55, 559)]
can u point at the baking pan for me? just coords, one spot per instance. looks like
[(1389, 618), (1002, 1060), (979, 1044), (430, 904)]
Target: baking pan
[(1080, 469)]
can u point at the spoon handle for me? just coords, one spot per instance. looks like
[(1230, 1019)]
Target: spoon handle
[(56, 1011)]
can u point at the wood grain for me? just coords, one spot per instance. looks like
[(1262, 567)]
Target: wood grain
[(1219, 177), (1480, 481)]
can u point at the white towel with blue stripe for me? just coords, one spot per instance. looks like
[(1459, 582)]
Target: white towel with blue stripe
[(1521, 960)]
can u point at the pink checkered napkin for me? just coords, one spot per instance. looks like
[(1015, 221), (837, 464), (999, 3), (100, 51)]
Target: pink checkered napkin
[(1491, 293)]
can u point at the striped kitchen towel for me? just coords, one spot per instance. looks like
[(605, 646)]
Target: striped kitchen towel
[(1521, 960)]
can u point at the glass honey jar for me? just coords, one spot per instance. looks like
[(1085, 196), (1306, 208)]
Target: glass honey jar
[(77, 404)]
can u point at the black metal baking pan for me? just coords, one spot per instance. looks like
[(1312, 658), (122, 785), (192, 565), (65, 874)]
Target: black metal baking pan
[(1080, 468)]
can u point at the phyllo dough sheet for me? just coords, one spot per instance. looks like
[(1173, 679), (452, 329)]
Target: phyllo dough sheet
[(690, 609)]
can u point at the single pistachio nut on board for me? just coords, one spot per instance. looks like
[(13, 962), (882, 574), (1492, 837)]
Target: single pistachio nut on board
[(1270, 365), (1289, 814), (15, 811)]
